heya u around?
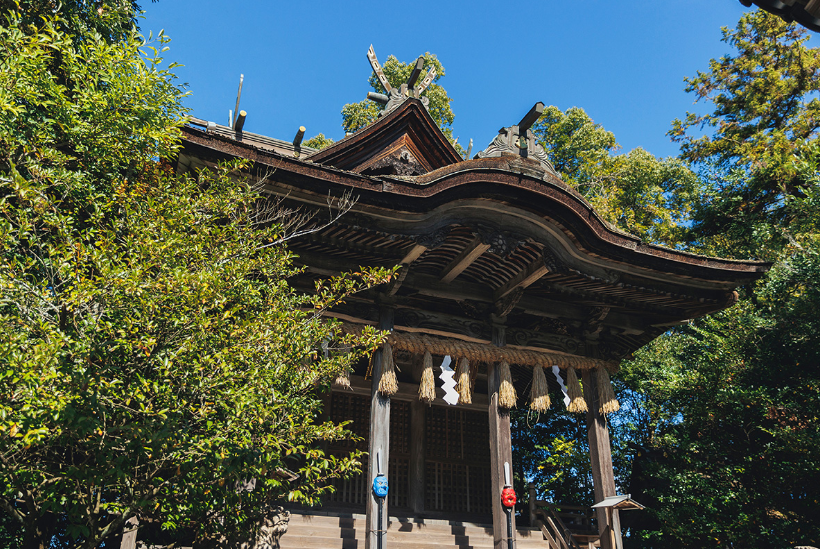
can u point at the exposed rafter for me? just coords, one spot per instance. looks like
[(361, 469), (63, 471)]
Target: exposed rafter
[(530, 274), (464, 259)]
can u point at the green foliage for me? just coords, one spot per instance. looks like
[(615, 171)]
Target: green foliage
[(318, 142), (734, 401), (552, 451), (726, 408), (153, 358), (765, 116), (358, 115), (637, 192), (112, 20)]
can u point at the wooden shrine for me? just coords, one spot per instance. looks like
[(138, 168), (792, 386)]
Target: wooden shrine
[(502, 264)]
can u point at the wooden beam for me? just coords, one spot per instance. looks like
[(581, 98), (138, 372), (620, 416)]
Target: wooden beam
[(129, 536), (603, 478), (500, 446), (414, 253), (416, 72), (379, 442), (531, 117), (463, 260), (529, 275), (418, 447)]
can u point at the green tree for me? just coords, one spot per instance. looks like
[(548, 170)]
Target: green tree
[(110, 19), (318, 142), (734, 400), (637, 192), (765, 114), (153, 359), (728, 430), (358, 115)]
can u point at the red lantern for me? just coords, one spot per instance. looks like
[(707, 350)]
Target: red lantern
[(508, 498)]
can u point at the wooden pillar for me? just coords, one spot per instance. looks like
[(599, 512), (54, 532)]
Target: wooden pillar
[(379, 437), (603, 478), (500, 446), (418, 449), (129, 533)]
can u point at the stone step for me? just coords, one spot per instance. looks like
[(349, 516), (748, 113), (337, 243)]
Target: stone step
[(348, 532), (321, 522), (302, 542), (432, 536)]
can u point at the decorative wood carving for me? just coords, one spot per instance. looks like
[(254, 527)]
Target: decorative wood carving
[(506, 304), (555, 341), (593, 325), (437, 321), (519, 140), (434, 239), (401, 162)]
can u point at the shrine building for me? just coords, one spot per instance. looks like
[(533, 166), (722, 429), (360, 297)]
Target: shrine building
[(508, 277)]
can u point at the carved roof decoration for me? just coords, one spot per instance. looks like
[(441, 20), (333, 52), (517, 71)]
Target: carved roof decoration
[(406, 141), (519, 140)]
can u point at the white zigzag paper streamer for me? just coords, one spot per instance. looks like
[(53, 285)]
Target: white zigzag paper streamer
[(449, 385), (557, 372)]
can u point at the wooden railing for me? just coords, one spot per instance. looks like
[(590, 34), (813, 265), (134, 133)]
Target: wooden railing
[(562, 524)]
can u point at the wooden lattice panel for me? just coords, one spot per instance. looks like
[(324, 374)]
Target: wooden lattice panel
[(354, 408), (455, 434), (354, 492), (457, 487), (457, 468)]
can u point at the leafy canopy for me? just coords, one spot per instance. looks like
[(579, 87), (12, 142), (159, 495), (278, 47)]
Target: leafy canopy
[(153, 358), (765, 115), (637, 192)]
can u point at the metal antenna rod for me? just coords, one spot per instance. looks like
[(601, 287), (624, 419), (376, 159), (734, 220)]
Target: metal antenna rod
[(238, 95)]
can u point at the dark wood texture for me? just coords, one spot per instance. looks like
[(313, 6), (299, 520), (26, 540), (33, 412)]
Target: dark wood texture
[(379, 436), (463, 260), (500, 446), (418, 443), (600, 454)]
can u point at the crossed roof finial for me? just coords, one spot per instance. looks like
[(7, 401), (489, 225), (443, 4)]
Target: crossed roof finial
[(396, 96)]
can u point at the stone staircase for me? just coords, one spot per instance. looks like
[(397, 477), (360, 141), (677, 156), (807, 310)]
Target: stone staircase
[(348, 532)]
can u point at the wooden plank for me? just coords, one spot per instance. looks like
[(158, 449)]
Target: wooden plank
[(529, 275), (129, 535), (603, 478), (414, 253), (550, 540), (500, 446), (559, 534), (379, 438), (418, 444), (463, 260)]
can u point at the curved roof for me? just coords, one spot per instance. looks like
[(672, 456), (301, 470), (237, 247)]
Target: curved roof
[(501, 236)]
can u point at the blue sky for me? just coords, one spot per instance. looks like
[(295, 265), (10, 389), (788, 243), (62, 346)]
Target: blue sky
[(623, 62)]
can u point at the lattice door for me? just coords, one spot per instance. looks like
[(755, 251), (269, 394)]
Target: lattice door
[(457, 467)]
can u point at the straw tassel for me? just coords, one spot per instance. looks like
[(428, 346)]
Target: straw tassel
[(343, 380), (539, 394), (606, 396), (427, 387), (577, 404), (506, 392), (388, 384), (463, 388)]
